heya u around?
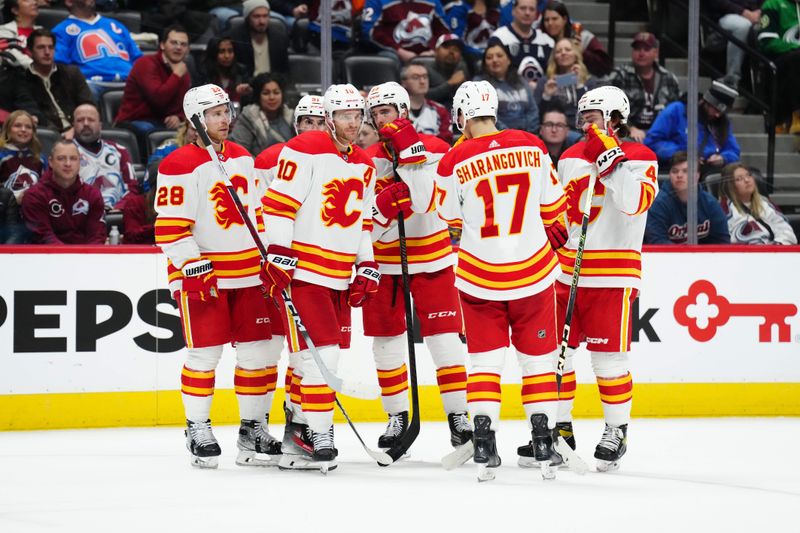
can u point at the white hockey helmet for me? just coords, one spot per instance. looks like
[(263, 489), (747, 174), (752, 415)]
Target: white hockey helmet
[(341, 97), (389, 93), (198, 99), (474, 99), (309, 106), (605, 99)]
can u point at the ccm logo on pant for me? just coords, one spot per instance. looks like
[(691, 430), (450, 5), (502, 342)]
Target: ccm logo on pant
[(441, 314)]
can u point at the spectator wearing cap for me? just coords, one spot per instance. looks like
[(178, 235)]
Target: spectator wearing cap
[(428, 116), (448, 72), (715, 139), (474, 21), (648, 85), (258, 47), (780, 41), (738, 17), (529, 47)]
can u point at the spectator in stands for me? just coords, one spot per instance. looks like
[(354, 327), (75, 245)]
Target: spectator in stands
[(715, 138), (666, 220), (557, 24), (11, 230), (367, 136), (154, 91), (780, 40), (474, 21), (449, 70), (186, 134), (105, 165), (341, 26), (221, 68), (139, 214), (648, 85), (268, 121), (428, 116), (290, 10), (554, 129), (61, 208), (224, 10), (56, 88), (403, 30), (529, 47), (567, 80), (257, 46), (752, 218), (21, 15), (738, 17), (14, 95), (517, 107)]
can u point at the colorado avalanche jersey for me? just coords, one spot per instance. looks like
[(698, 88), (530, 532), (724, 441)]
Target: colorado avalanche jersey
[(103, 48), (474, 29), (20, 169), (110, 170), (413, 25), (427, 237), (320, 205), (503, 190), (528, 54), (197, 217), (612, 254)]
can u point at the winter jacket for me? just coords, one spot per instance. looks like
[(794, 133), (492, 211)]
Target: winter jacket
[(138, 230), (665, 91), (56, 215), (440, 91), (66, 85), (770, 227), (666, 219), (255, 133), (780, 33), (516, 106), (668, 135), (278, 39), (12, 228), (152, 91)]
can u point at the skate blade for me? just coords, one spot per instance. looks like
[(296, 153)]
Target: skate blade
[(459, 456), (530, 462), (326, 466), (607, 466), (251, 458), (485, 473), (548, 470), (204, 462), (572, 460)]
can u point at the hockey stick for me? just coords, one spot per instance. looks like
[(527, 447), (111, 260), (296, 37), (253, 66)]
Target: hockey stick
[(380, 457), (576, 274), (408, 438)]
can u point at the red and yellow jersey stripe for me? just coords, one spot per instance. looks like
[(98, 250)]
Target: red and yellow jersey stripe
[(420, 249), (280, 205), (603, 263), (322, 261), (227, 265), (552, 212), (171, 230), (506, 276)]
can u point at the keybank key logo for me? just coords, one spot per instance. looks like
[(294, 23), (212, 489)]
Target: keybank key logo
[(702, 311)]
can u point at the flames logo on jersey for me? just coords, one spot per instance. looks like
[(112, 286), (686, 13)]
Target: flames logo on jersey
[(225, 211), (414, 29), (337, 197), (574, 192)]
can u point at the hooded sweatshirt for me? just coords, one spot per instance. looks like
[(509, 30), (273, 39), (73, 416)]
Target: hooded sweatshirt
[(666, 219)]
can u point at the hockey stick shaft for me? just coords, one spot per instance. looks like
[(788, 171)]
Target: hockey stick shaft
[(206, 141), (576, 274)]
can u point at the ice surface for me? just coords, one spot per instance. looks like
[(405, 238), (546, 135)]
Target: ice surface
[(679, 474)]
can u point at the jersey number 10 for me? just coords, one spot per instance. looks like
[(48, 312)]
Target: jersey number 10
[(520, 180)]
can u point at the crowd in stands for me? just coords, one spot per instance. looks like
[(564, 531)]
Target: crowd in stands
[(61, 169)]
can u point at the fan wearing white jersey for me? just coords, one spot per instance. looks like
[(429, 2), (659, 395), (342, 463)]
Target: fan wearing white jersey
[(213, 271), (502, 189), (318, 222), (610, 274), (309, 114), (430, 266)]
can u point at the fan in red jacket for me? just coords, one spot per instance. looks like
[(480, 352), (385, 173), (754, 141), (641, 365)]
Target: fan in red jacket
[(60, 208)]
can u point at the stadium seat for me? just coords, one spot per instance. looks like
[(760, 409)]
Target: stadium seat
[(365, 71), (155, 138), (125, 138), (110, 102), (50, 17), (116, 218), (304, 72), (131, 19), (48, 138), (426, 61)]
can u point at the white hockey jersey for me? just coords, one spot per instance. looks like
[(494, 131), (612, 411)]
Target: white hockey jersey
[(110, 170), (612, 255), (197, 218), (503, 189), (427, 237), (320, 205)]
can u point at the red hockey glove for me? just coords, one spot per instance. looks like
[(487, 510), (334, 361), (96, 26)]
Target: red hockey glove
[(394, 199), (276, 273), (199, 280), (405, 141), (603, 149), (557, 235), (365, 284)]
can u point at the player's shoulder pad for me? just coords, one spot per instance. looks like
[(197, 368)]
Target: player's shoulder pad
[(377, 151), (638, 152), (184, 160), (359, 156), (434, 144), (575, 151), (268, 158), (312, 142)]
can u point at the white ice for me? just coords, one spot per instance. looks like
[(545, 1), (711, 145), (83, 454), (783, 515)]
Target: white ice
[(704, 475)]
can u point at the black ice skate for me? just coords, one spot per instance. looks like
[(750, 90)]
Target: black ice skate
[(461, 439), (542, 446), (202, 444), (485, 455), (563, 456), (395, 429), (324, 455), (256, 446), (613, 445), (296, 447)]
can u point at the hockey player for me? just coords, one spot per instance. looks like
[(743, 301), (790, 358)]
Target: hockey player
[(214, 275), (430, 265), (309, 114), (318, 223), (610, 273), (502, 189)]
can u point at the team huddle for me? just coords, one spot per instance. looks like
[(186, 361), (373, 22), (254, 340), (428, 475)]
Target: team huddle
[(331, 226)]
